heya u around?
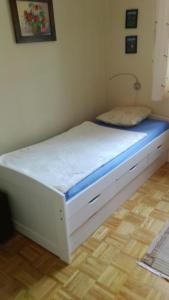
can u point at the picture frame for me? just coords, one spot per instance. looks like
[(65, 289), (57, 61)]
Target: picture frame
[(131, 44), (33, 20), (131, 18)]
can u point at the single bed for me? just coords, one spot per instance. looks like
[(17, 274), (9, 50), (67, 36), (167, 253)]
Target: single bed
[(60, 212)]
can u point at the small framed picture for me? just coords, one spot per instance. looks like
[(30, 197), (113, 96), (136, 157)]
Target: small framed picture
[(33, 20), (131, 44), (131, 18)]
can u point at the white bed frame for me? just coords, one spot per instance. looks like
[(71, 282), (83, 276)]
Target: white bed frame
[(42, 214)]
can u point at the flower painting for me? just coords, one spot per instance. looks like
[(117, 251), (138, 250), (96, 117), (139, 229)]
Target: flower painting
[(33, 20)]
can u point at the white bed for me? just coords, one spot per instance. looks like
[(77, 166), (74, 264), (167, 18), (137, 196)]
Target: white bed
[(37, 179)]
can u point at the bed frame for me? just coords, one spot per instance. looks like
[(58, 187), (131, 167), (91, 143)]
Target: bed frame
[(43, 215)]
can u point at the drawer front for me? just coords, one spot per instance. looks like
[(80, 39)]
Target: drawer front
[(100, 200), (84, 231), (131, 173), (83, 198), (92, 223), (104, 183), (91, 208), (161, 141), (160, 149)]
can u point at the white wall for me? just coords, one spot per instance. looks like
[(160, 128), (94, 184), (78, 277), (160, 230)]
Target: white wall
[(48, 87), (120, 89)]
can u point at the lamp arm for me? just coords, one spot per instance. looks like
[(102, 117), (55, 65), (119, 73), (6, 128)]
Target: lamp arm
[(137, 84)]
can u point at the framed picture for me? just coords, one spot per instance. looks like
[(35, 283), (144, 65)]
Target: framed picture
[(131, 18), (131, 44), (33, 21)]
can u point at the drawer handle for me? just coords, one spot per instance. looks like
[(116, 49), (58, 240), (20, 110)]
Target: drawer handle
[(131, 169), (159, 146), (94, 199), (134, 167)]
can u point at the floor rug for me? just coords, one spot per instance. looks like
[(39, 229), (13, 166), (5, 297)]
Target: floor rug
[(156, 260)]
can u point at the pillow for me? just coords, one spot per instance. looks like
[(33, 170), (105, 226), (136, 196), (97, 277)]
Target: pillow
[(125, 116)]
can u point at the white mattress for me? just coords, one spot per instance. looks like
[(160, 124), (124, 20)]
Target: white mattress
[(65, 160)]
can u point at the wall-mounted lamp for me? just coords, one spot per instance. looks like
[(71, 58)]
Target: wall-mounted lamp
[(137, 84)]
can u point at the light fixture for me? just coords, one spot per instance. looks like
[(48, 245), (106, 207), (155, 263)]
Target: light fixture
[(137, 84)]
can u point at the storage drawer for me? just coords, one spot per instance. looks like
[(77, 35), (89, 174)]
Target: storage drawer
[(106, 183), (84, 231), (97, 202), (83, 198), (131, 173), (161, 141), (159, 150), (92, 206)]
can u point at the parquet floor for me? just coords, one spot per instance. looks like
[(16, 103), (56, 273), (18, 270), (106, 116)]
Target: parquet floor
[(104, 268)]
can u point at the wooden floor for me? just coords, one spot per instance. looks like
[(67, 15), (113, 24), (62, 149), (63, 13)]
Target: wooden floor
[(104, 268)]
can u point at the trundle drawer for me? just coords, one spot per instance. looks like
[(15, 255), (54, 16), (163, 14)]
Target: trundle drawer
[(91, 208), (108, 181), (159, 150), (92, 223), (131, 173), (94, 191), (159, 143), (90, 226), (101, 199)]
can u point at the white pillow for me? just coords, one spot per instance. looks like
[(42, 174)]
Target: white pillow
[(125, 115)]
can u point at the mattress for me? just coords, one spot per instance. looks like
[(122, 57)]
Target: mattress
[(67, 159), (153, 128)]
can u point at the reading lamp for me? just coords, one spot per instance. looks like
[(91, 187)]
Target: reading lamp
[(137, 84)]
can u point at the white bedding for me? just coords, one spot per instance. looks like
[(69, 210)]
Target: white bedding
[(65, 160)]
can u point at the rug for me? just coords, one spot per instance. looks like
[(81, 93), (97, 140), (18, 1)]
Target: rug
[(156, 260)]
